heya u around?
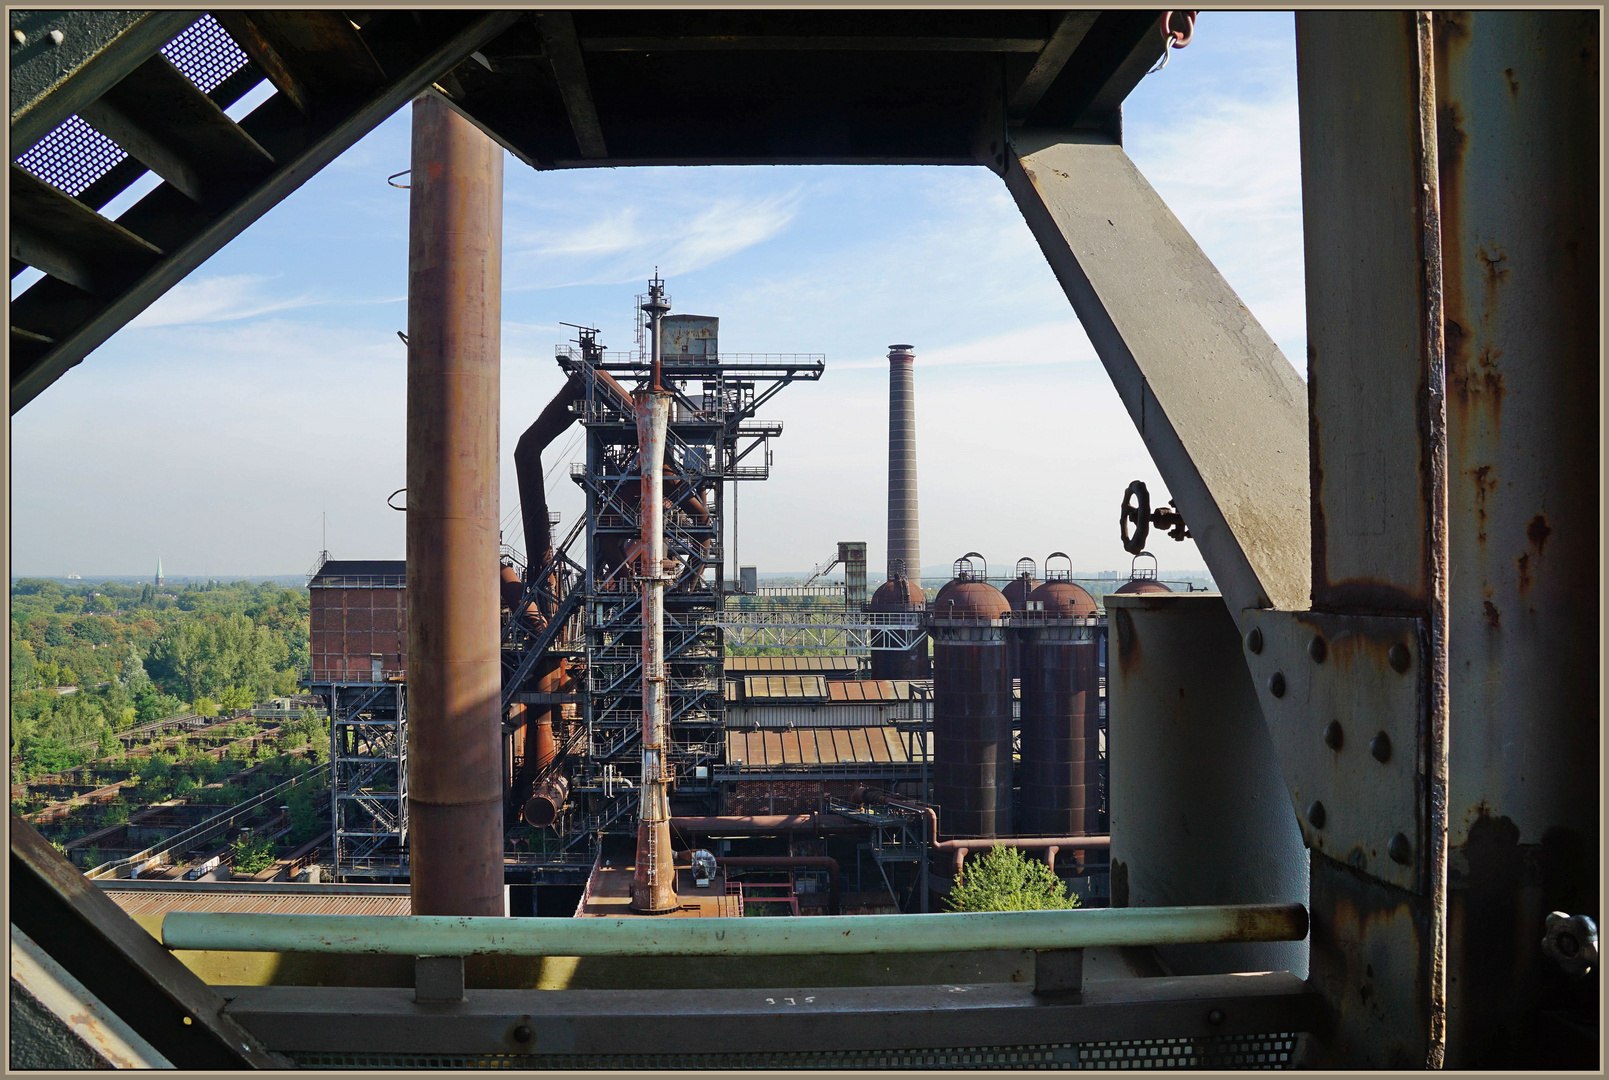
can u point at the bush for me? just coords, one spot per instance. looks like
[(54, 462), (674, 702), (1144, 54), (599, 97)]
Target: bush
[(253, 854), (1005, 880)]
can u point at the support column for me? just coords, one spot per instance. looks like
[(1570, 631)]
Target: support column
[(454, 674)]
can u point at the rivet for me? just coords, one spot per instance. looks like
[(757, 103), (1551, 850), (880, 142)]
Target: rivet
[(19, 37), (1380, 747), (1315, 815), (1215, 1017), (1332, 735), (57, 37), (1317, 649), (1276, 684), (1254, 639), (1400, 850), (1397, 655), (188, 1021), (522, 1034)]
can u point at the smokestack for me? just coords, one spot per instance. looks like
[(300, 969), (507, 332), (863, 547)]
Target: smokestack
[(904, 539)]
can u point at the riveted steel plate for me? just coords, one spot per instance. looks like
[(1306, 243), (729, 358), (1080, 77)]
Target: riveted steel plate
[(1349, 803)]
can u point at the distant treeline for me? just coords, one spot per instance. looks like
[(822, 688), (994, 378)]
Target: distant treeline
[(137, 653)]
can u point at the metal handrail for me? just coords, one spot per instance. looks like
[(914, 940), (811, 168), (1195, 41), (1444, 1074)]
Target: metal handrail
[(446, 935)]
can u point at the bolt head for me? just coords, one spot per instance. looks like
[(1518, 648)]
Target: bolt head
[(57, 37), (1400, 850), (1254, 639), (1317, 649), (1380, 747), (522, 1034), (1333, 736), (1316, 815), (1276, 684), (1398, 657), (1215, 1017)]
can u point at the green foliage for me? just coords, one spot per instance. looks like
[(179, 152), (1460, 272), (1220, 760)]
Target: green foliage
[(1003, 879), (309, 810), (204, 706), (236, 698), (252, 854)]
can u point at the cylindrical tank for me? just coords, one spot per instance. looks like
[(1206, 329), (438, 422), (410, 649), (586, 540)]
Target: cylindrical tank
[(1061, 711), (543, 807), (1142, 580), (1016, 592), (510, 586), (899, 595), (971, 707)]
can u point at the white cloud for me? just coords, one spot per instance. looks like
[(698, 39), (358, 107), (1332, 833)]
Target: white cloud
[(679, 232), (218, 299)]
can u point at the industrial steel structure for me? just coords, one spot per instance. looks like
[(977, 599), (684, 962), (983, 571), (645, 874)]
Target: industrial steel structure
[(1385, 725)]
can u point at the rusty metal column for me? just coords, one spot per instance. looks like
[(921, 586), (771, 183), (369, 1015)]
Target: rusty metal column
[(455, 798), (653, 886)]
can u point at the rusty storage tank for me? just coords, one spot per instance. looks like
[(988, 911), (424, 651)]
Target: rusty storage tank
[(1016, 593), (1143, 579), (971, 705), (1061, 707), (900, 595)]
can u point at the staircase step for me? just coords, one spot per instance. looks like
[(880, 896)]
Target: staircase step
[(162, 119), (59, 235)]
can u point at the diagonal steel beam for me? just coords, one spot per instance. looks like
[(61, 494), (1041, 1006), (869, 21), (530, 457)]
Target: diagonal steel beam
[(569, 68), (1222, 412), (71, 348)]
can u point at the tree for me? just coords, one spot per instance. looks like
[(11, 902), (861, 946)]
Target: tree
[(1003, 879)]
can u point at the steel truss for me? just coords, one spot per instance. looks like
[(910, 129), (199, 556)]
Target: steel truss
[(368, 777), (589, 594)]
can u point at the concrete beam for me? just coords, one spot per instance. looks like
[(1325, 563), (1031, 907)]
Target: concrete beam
[(1222, 411)]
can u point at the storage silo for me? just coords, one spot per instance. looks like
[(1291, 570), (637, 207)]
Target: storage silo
[(899, 595), (971, 706), (1061, 708), (1016, 593)]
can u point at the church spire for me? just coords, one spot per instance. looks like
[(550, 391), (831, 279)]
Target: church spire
[(159, 571)]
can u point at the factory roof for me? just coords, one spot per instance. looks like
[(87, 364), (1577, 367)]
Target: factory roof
[(812, 689), (335, 573), (793, 663), (758, 750)]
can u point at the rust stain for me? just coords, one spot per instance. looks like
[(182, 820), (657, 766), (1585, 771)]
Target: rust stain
[(1128, 644), (1493, 618), (1539, 530), (1513, 83), (1485, 484), (1523, 563)]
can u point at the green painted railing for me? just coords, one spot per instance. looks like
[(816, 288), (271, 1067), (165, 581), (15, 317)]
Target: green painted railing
[(443, 935)]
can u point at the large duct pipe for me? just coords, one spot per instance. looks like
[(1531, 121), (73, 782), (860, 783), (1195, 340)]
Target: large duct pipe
[(528, 467), (455, 791), (904, 541), (542, 808), (766, 824), (653, 885)]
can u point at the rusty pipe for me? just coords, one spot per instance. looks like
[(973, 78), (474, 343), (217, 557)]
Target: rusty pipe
[(549, 424), (542, 808), (455, 797), (653, 885), (1049, 844), (765, 824), (788, 861)]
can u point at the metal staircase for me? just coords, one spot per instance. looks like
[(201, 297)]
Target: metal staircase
[(99, 99)]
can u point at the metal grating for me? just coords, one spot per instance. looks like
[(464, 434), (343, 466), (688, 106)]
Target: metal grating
[(206, 54), (72, 157), (1268, 1051)]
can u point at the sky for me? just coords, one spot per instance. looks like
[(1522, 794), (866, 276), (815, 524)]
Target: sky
[(265, 394)]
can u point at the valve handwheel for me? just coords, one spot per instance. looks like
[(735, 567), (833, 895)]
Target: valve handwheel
[(1136, 511)]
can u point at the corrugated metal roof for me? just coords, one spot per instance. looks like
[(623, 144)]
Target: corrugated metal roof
[(874, 690), (785, 688), (762, 664), (200, 899), (760, 750)]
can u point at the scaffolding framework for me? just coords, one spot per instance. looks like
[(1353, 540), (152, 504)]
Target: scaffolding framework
[(368, 777), (592, 592)]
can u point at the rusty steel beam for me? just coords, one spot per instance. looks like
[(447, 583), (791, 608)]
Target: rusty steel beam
[(455, 793)]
